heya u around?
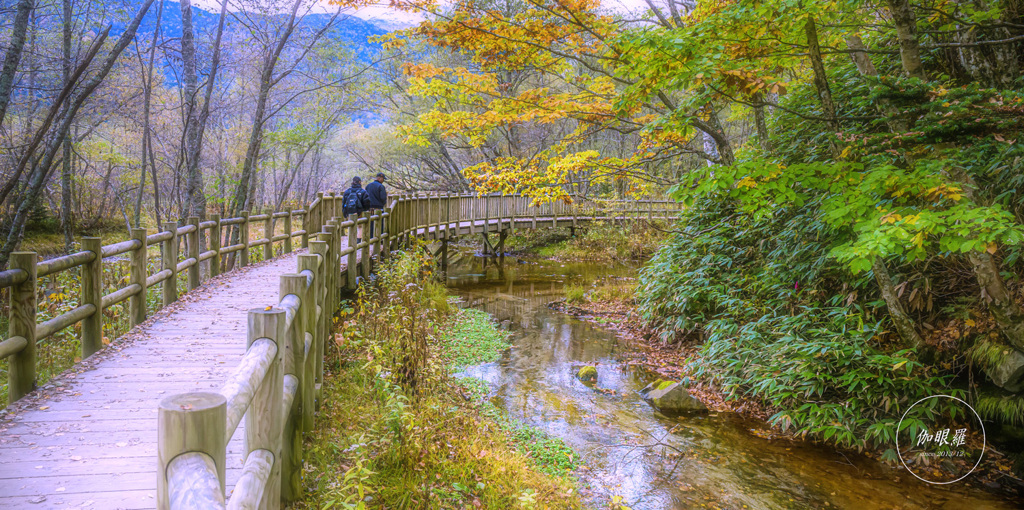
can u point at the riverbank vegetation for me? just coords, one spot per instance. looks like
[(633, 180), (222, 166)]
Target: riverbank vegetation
[(398, 430), (596, 242), (851, 171)]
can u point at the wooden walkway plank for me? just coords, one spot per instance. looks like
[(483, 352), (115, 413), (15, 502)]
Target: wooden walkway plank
[(88, 438)]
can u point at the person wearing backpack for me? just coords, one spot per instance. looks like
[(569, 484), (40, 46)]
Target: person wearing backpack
[(355, 200), (378, 196)]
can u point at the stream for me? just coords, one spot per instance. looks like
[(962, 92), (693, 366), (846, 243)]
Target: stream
[(630, 450)]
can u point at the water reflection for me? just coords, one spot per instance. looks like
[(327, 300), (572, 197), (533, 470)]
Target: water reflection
[(630, 450)]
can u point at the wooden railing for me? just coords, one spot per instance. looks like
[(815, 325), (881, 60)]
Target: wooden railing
[(277, 384), (203, 242)]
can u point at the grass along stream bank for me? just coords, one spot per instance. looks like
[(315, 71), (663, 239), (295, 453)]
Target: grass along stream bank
[(398, 430)]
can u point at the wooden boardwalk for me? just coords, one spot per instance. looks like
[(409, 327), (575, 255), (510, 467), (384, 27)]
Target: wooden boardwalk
[(88, 438)]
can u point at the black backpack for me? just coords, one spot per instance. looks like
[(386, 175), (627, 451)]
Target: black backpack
[(353, 201)]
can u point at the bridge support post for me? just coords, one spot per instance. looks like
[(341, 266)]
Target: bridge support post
[(137, 303), (193, 238), (215, 237), (264, 419), (21, 368), (243, 232), (169, 260), (191, 423), (444, 254), (92, 294)]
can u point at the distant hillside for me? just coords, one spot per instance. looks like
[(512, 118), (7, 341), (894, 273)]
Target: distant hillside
[(352, 30)]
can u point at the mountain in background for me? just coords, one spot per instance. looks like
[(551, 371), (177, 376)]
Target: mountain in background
[(353, 31), (349, 29)]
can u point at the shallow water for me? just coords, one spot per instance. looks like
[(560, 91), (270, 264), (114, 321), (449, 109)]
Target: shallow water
[(655, 462)]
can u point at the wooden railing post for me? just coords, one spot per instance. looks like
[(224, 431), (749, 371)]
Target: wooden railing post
[(310, 300), (428, 232), (320, 248), (137, 304), (333, 266), (350, 271), (306, 228), (487, 213), (288, 231), (21, 368), (92, 294), (193, 252), (407, 221), (263, 421), (448, 215), (268, 234), (191, 422), (215, 237), (364, 267), (243, 236), (169, 260), (294, 366), (536, 212)]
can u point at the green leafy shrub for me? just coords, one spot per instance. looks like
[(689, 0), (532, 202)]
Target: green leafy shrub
[(779, 326)]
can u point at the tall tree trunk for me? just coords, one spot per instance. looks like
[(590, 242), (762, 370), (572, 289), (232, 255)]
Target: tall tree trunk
[(761, 124), (67, 215), (906, 31), (821, 86), (196, 200), (43, 168), (193, 157), (241, 200), (13, 56), (905, 326), (992, 65), (147, 139)]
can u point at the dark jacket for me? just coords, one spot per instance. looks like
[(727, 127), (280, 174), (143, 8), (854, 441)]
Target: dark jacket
[(362, 201), (378, 195)]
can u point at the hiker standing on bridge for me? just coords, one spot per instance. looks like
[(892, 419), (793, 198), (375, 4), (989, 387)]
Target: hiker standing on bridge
[(355, 201), (378, 196)]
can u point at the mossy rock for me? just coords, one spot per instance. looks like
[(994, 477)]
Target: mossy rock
[(671, 397), (587, 374)]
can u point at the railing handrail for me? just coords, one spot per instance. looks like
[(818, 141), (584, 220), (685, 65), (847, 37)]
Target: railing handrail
[(26, 269)]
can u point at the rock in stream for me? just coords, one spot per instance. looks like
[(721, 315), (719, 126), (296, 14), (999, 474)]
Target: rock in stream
[(671, 397)]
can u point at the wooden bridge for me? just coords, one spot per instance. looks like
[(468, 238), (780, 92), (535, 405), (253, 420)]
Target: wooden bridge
[(204, 402)]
